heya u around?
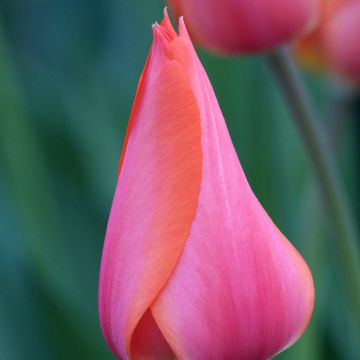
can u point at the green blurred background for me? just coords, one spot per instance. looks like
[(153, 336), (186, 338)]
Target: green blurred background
[(68, 74)]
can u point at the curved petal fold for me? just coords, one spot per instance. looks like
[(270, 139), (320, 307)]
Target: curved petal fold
[(155, 199), (193, 268)]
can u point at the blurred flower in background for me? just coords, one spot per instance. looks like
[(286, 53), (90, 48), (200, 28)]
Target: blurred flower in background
[(342, 40), (335, 45), (237, 26)]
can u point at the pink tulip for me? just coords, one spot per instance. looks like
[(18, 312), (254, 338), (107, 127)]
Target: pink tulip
[(193, 268), (238, 26), (342, 39), (334, 44)]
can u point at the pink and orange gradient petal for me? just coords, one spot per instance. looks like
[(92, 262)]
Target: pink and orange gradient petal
[(232, 295), (193, 267), (155, 199)]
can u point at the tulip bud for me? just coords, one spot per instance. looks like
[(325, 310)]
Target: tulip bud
[(192, 266), (334, 44), (243, 26), (342, 40)]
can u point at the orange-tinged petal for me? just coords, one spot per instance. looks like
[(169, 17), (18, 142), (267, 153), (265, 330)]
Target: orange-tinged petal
[(155, 199), (240, 289), (193, 268)]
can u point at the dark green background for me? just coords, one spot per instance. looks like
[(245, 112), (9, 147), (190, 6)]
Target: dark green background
[(68, 74)]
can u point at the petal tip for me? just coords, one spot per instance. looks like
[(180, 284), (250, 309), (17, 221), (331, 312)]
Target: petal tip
[(182, 27), (165, 29), (166, 13)]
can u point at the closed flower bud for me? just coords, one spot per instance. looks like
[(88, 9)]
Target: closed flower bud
[(243, 26), (192, 267), (342, 40), (334, 45)]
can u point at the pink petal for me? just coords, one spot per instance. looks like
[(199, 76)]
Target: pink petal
[(237, 26), (240, 289), (341, 37), (154, 203), (192, 267)]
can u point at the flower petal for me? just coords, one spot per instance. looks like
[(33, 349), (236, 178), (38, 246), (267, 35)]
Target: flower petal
[(240, 290), (341, 40), (155, 200), (193, 267)]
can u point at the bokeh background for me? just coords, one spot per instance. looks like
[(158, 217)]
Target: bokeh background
[(68, 74)]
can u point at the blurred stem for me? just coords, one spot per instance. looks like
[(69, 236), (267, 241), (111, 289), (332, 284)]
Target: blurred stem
[(325, 167), (341, 99)]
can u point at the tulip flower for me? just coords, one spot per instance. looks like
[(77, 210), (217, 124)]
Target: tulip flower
[(342, 40), (243, 26), (334, 45), (192, 267)]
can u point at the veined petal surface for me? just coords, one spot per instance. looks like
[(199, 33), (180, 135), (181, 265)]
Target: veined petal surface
[(193, 268), (154, 203)]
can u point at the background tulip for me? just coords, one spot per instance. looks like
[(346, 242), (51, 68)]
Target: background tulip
[(342, 40), (334, 43), (238, 26), (192, 265)]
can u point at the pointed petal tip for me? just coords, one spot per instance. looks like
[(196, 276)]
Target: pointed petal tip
[(166, 13), (164, 30), (166, 19), (156, 30), (166, 23), (182, 27), (154, 25)]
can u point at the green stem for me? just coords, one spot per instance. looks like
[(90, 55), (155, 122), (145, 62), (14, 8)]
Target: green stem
[(325, 167), (337, 114)]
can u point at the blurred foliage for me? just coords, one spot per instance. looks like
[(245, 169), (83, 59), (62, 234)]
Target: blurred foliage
[(68, 74)]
